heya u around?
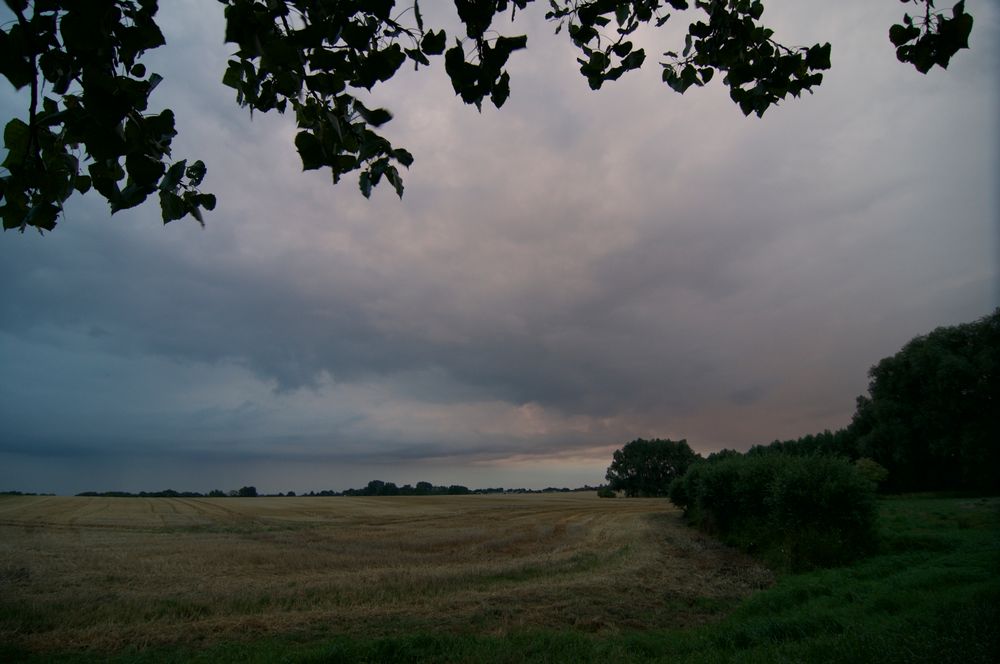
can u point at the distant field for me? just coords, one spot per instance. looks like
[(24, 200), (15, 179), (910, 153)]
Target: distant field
[(103, 574)]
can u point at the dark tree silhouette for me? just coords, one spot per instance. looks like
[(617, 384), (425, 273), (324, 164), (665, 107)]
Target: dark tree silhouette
[(930, 416), (88, 125), (646, 467)]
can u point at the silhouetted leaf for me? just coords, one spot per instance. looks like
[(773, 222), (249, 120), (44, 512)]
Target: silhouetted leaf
[(196, 173), (43, 216), (16, 138), (403, 157), (233, 77), (171, 206), (375, 117), (173, 176), (900, 34), (818, 57), (433, 43), (501, 90), (310, 150), (392, 175)]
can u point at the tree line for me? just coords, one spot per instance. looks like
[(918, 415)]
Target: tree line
[(373, 488), (928, 423), (930, 417), (242, 492)]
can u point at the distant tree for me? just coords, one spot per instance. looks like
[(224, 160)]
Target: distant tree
[(458, 490), (646, 467), (290, 494), (87, 124), (247, 492), (424, 488), (216, 493)]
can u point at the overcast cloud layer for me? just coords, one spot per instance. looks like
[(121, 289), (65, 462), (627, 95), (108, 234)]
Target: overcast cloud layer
[(562, 276)]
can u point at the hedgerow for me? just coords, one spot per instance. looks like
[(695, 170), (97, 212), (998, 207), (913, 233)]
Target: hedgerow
[(798, 512)]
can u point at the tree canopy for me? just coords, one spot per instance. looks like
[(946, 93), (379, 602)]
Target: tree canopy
[(88, 123), (930, 416), (646, 467)]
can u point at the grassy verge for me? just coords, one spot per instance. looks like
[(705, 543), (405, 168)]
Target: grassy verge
[(930, 594)]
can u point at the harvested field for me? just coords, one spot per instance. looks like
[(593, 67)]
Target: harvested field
[(105, 573)]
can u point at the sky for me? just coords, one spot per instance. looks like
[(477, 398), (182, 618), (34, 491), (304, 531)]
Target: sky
[(561, 276)]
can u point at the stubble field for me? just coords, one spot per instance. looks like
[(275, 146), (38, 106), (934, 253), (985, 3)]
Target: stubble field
[(105, 574)]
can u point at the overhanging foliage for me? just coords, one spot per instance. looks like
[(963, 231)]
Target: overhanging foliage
[(88, 123)]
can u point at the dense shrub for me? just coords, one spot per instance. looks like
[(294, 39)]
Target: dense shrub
[(797, 511), (606, 492)]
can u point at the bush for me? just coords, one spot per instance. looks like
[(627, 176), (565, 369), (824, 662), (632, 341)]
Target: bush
[(872, 471), (606, 492), (797, 511)]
